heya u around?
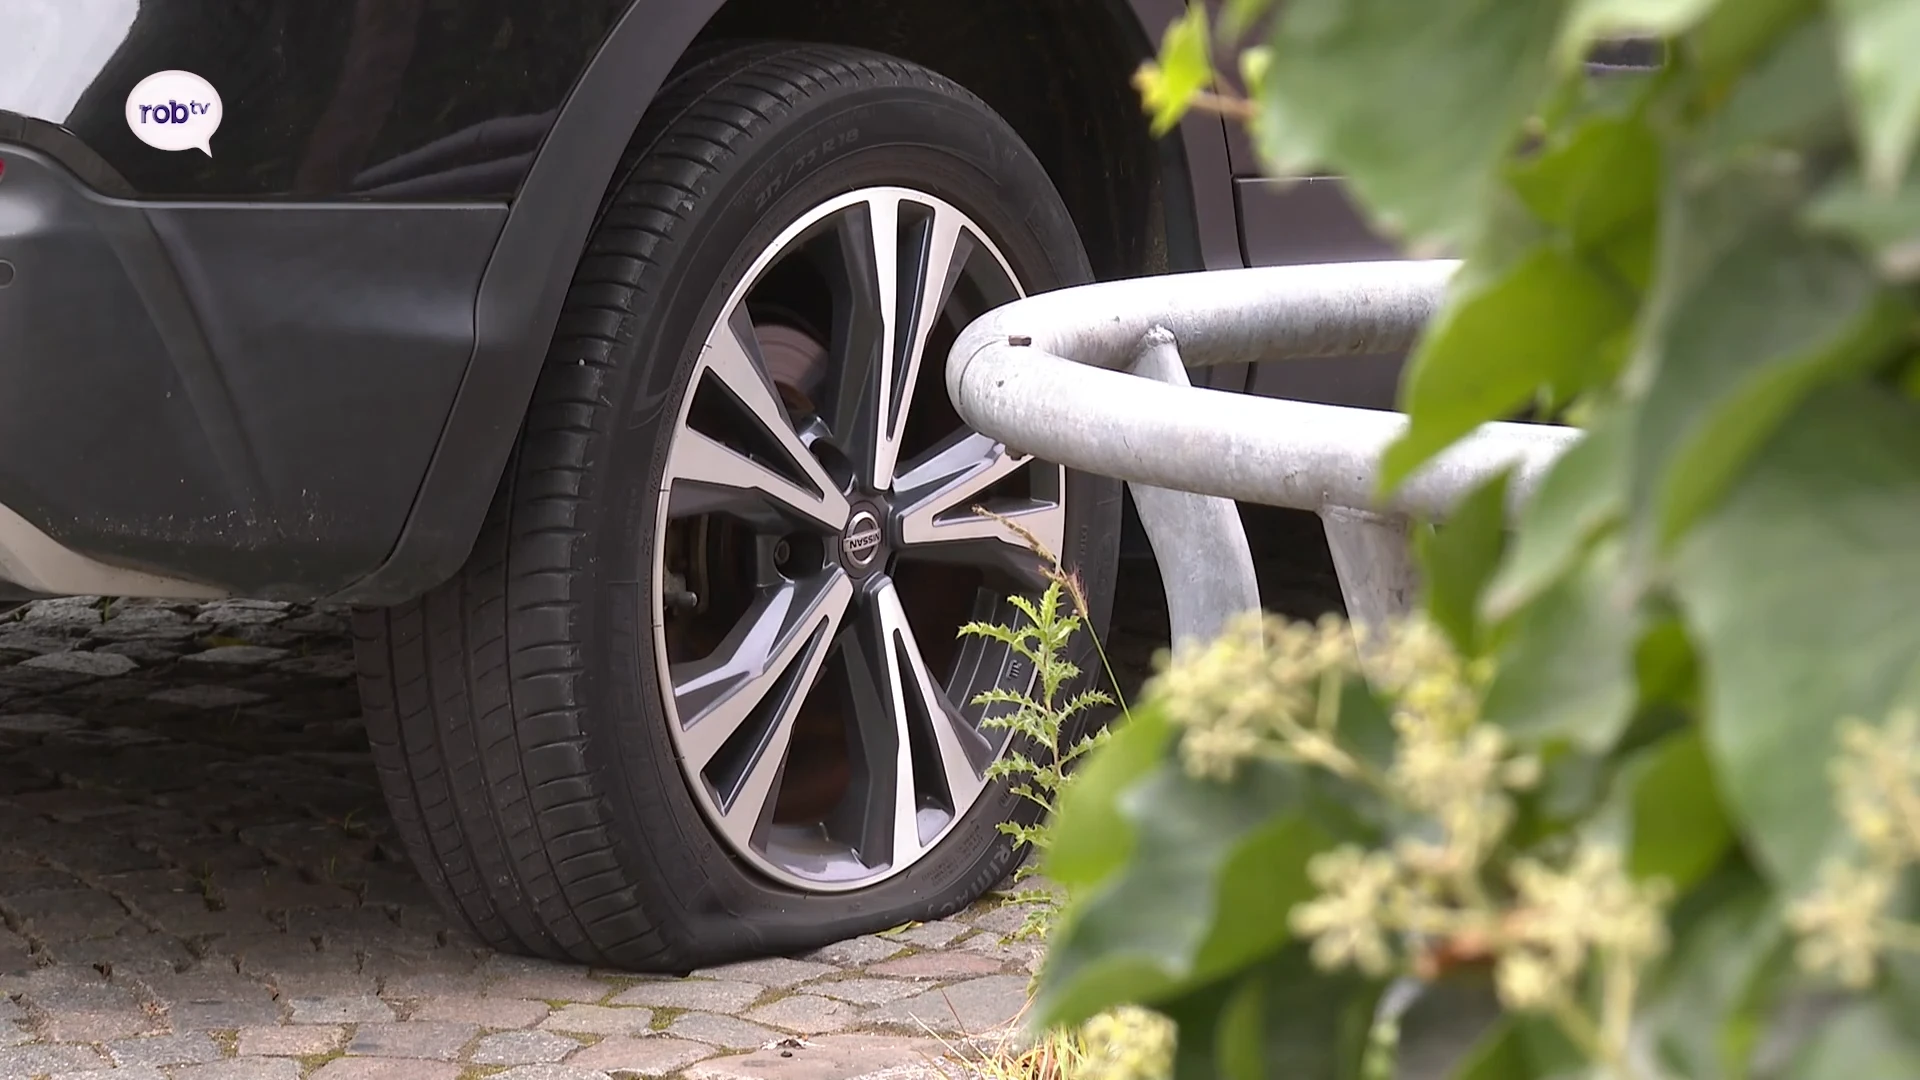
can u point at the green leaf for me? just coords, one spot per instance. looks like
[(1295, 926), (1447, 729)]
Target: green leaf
[(1215, 868), (1239, 1042), (1458, 557), (1789, 98), (1598, 181), (1705, 1009), (1801, 592), (1572, 784), (1288, 1020), (1415, 112), (1899, 968), (1866, 1040), (1546, 319), (1668, 811), (1184, 68), (1238, 16), (1728, 40), (1254, 63), (1584, 493), (1592, 21), (1778, 314), (1199, 1014), (1499, 1054), (1878, 41), (1365, 724), (1548, 1048), (1665, 667), (1566, 671), (1091, 836), (1886, 224), (1520, 1047)]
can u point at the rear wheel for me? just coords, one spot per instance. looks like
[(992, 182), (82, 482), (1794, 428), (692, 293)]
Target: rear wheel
[(698, 693)]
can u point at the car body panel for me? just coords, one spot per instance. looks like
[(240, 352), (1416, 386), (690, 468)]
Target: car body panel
[(236, 394)]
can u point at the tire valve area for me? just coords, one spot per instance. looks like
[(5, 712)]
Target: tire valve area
[(685, 566), (678, 596)]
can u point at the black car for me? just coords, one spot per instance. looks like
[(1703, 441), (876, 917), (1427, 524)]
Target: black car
[(591, 349)]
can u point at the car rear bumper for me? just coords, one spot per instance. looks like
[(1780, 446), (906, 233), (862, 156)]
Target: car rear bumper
[(203, 399)]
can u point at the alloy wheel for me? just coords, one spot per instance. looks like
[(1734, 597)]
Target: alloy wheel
[(822, 541)]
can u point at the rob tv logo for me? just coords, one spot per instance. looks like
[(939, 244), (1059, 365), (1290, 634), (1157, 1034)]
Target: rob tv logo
[(174, 110)]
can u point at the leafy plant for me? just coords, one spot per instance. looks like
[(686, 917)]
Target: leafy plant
[(1050, 734), (1039, 718), (1128, 1043), (1714, 269), (1047, 721)]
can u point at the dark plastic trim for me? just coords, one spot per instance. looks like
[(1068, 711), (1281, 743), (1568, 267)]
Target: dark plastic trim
[(523, 289), (63, 146)]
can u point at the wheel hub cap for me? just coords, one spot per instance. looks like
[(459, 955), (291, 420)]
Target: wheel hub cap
[(863, 542)]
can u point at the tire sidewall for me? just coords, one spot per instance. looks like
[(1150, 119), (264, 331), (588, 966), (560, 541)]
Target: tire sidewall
[(908, 133)]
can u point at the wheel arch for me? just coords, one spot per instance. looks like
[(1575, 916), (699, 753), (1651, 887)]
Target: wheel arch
[(1183, 184)]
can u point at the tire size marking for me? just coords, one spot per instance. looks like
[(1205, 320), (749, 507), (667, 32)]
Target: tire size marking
[(807, 159)]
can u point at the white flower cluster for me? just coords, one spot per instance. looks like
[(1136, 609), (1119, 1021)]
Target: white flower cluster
[(1437, 896), (1258, 690), (1127, 1043), (1844, 925)]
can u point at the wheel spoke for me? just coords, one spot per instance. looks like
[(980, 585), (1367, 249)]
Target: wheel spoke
[(916, 697), (938, 522), (709, 476), (725, 478), (926, 754), (864, 329), (933, 253), (902, 260), (750, 690)]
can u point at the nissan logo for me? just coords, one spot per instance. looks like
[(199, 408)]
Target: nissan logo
[(861, 541)]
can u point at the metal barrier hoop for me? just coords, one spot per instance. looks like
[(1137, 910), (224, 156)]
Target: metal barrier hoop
[(1094, 378)]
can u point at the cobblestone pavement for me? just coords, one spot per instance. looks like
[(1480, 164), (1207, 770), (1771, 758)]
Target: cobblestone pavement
[(198, 882)]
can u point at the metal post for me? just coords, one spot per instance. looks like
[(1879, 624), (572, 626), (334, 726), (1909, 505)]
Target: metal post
[(1374, 560), (1198, 540)]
